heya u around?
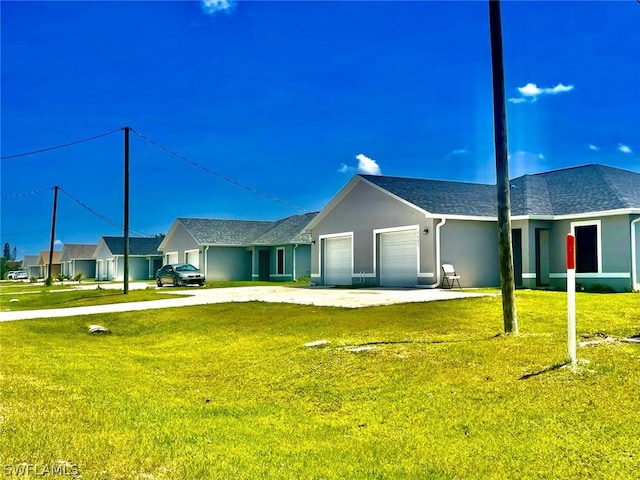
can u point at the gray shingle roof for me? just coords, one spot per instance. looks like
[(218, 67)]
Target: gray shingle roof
[(137, 245), (225, 232), (43, 258), (289, 230), (29, 260), (73, 251), (438, 196), (584, 189)]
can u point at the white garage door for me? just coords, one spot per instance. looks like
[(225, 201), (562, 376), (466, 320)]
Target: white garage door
[(193, 258), (399, 259), (171, 258), (337, 261)]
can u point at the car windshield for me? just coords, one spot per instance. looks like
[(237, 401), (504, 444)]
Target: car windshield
[(186, 268)]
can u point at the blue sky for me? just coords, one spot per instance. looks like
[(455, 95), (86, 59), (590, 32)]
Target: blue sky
[(292, 99)]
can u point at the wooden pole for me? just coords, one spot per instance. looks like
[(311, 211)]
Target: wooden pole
[(505, 252), (53, 235), (126, 210)]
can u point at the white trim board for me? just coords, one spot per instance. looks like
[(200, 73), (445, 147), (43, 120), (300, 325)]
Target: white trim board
[(594, 275)]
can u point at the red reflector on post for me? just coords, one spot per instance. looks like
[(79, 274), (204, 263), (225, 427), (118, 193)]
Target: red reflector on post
[(571, 252)]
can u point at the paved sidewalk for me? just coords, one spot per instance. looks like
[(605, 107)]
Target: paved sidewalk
[(338, 297)]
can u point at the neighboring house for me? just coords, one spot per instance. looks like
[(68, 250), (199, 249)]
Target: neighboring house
[(43, 264), (78, 258), (144, 258), (392, 231), (241, 249), (30, 265)]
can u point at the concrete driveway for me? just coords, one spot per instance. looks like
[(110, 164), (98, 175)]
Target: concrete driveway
[(321, 296)]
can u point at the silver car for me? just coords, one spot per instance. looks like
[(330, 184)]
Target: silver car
[(178, 274)]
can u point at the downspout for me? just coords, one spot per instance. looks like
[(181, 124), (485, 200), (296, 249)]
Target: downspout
[(634, 256), (438, 269), (293, 274), (206, 265)]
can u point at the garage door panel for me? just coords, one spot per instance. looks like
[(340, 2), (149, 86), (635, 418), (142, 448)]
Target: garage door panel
[(337, 261), (172, 258), (193, 258), (399, 259)]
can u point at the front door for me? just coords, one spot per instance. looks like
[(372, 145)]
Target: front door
[(264, 265)]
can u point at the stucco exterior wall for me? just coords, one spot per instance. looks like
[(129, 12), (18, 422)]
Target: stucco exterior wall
[(615, 252), (102, 251), (472, 248), (363, 210), (86, 267), (179, 241), (228, 263), (303, 261)]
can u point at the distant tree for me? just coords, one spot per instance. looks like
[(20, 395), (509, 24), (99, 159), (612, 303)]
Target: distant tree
[(159, 235), (4, 268), (6, 251), (14, 253)]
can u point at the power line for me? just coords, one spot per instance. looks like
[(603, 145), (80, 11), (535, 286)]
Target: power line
[(18, 195), (219, 175), (60, 146), (103, 217)]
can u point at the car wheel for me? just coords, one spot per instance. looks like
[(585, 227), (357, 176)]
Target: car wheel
[(202, 283), (158, 282), (176, 283)]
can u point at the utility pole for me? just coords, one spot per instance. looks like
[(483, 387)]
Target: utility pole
[(505, 252), (53, 235), (126, 210)]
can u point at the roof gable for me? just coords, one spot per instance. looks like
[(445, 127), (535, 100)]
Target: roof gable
[(29, 260), (289, 230), (43, 258), (225, 232), (73, 251)]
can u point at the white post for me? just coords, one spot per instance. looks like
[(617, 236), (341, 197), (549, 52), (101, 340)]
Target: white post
[(571, 297)]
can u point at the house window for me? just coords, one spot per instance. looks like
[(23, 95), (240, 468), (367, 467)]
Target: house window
[(280, 260), (586, 248)]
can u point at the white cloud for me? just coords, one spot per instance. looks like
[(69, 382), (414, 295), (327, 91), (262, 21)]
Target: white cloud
[(57, 243), (530, 92), (624, 148), (593, 147), (368, 165), (560, 88), (344, 168), (460, 151), (214, 6)]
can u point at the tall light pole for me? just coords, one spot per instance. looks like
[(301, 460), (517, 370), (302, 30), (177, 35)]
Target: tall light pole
[(505, 252)]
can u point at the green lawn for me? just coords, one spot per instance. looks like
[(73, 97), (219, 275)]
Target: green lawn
[(48, 297), (229, 391)]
